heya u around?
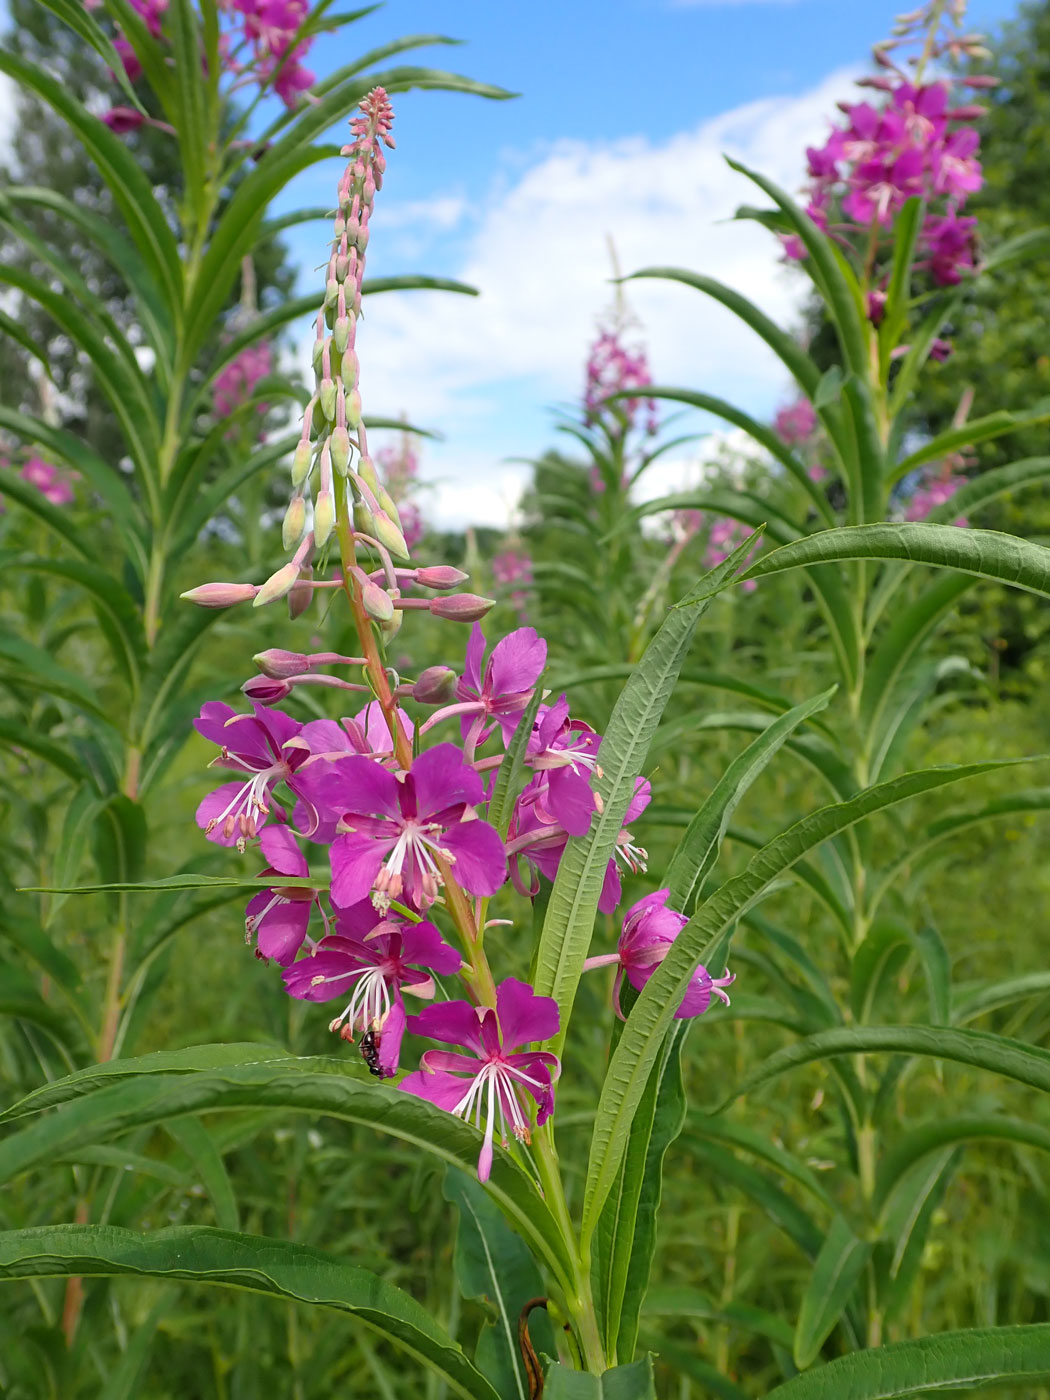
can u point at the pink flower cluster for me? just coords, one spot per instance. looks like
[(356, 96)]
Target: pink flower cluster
[(52, 483), (236, 383), (917, 139), (938, 485), (613, 366), (400, 472), (512, 573), (724, 537), (796, 425), (257, 45)]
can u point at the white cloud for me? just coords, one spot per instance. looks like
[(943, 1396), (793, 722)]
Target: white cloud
[(483, 371), (8, 115)]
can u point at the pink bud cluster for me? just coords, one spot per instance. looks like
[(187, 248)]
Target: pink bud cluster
[(916, 139), (54, 484), (796, 426), (258, 45)]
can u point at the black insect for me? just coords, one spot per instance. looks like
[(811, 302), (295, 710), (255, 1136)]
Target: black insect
[(370, 1052)]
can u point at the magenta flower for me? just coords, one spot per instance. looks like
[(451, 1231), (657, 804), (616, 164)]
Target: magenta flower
[(565, 752), (795, 422), (648, 931), (236, 382), (278, 918), (535, 837), (371, 959), (395, 828), (951, 246), (262, 745), (501, 693), (491, 1079)]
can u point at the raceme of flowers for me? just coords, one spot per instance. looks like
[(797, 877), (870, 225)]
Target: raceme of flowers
[(614, 365), (512, 574), (916, 138), (237, 381), (54, 484), (401, 803)]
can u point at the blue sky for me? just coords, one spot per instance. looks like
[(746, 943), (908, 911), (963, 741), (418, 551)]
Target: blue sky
[(624, 111)]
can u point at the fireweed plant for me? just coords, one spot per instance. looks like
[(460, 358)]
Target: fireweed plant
[(442, 865)]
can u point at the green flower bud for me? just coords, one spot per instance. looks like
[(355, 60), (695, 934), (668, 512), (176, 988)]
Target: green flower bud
[(326, 395), (294, 522), (339, 443), (377, 602), (351, 368), (331, 292), (388, 534), (363, 522), (324, 517), (341, 335), (301, 464), (353, 408), (318, 356), (277, 585), (386, 501), (366, 470)]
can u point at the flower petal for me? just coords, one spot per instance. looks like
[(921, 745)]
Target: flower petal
[(480, 862), (453, 1022), (442, 781), (282, 852), (524, 1016), (355, 865)]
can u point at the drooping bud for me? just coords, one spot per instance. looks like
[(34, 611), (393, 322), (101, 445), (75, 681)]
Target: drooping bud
[(436, 686), (462, 607), (279, 665), (366, 470), (265, 690), (377, 602), (277, 585), (326, 396), (301, 595), (364, 524), (324, 517), (294, 522), (388, 535), (339, 444), (301, 463), (440, 576), (220, 595)]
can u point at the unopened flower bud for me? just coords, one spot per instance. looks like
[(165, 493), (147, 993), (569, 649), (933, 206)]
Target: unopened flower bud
[(294, 522), (366, 470), (388, 534), (265, 690), (342, 267), (318, 421), (277, 585), (331, 295), (341, 336), (440, 576), (436, 686), (363, 522), (326, 396), (392, 626), (301, 463), (220, 595), (339, 443), (301, 595), (324, 517), (377, 602), (279, 665), (462, 607), (351, 368), (353, 408), (318, 356)]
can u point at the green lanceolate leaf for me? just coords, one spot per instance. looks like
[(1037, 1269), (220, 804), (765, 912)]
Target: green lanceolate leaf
[(625, 1240), (705, 938), (569, 924), (181, 882), (977, 1359), (986, 553), (975, 494), (633, 1382), (339, 1088), (977, 430), (699, 847), (252, 1262), (1013, 1059), (507, 787), (493, 1265), (193, 1137), (929, 1138), (836, 1272), (906, 1221)]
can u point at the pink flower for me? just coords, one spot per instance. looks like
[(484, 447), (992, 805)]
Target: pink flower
[(395, 829), (278, 918), (48, 480), (491, 1080), (500, 694), (372, 958), (236, 382), (795, 422), (649, 930)]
